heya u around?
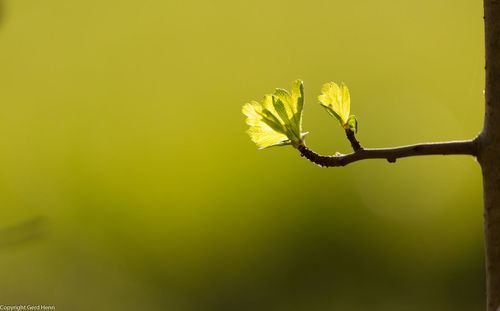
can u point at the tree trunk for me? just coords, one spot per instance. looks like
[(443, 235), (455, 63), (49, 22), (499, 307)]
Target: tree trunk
[(489, 153)]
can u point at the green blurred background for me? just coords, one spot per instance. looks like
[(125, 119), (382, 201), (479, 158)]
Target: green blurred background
[(127, 180)]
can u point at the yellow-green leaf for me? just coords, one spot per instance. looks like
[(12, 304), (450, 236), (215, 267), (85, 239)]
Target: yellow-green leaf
[(336, 100), (260, 132), (278, 119), (298, 98), (352, 123)]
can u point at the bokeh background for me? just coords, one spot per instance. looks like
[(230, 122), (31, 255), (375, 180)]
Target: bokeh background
[(127, 180)]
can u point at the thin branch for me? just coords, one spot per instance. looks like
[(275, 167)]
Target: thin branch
[(391, 154), (356, 146)]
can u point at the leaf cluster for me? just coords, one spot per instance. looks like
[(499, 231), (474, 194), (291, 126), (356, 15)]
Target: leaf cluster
[(277, 119)]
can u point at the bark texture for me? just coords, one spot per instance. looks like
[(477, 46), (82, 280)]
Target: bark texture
[(356, 146), (489, 153), (391, 154)]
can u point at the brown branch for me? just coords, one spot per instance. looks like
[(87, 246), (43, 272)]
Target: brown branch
[(356, 146), (489, 153), (391, 154)]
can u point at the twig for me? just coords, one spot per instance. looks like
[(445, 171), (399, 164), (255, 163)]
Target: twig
[(356, 146), (391, 154)]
